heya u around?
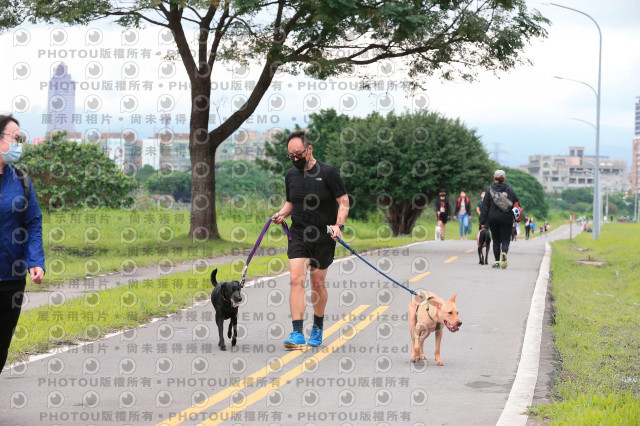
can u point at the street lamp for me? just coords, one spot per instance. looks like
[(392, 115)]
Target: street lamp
[(596, 196)]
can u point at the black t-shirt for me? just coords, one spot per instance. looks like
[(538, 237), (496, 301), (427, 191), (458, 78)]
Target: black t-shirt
[(313, 194)]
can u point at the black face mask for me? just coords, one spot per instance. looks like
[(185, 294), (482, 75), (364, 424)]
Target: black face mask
[(299, 163)]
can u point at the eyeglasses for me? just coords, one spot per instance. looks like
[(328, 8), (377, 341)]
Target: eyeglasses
[(292, 156), (19, 138)]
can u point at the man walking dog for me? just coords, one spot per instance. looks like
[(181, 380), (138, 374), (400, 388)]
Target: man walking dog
[(315, 198)]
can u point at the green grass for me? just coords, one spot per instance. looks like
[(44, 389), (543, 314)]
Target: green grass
[(596, 329)]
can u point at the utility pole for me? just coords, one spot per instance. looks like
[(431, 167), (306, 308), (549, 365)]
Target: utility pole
[(606, 214), (570, 221)]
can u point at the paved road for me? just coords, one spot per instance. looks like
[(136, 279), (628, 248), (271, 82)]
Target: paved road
[(171, 371)]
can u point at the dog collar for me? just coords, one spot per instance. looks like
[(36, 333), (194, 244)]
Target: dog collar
[(227, 300), (418, 307)]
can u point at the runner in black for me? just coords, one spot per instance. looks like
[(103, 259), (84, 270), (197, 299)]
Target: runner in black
[(315, 197)]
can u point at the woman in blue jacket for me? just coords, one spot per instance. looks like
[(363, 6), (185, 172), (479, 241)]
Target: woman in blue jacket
[(20, 233)]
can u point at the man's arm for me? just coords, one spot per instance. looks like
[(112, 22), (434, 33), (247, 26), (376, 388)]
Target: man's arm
[(343, 212)]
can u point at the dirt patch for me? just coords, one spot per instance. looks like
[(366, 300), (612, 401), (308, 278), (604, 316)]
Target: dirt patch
[(591, 262), (582, 248)]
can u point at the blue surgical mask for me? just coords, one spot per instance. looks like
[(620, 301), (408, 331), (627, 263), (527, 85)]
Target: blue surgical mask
[(482, 196), (15, 151)]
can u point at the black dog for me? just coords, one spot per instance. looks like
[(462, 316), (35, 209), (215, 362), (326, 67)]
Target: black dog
[(484, 240), (225, 298)]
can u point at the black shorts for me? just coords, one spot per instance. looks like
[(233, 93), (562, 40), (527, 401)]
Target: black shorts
[(443, 219), (320, 255)]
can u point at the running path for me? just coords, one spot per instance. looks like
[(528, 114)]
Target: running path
[(171, 371)]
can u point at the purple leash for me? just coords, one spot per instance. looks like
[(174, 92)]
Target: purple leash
[(255, 247)]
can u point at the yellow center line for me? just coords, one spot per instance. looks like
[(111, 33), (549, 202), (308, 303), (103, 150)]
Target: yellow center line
[(287, 377), (419, 277), (451, 259), (275, 365), (470, 251)]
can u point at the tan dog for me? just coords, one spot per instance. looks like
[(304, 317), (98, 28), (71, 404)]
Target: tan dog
[(429, 313)]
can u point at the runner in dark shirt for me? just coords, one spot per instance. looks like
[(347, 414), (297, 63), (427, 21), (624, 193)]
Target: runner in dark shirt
[(315, 197), (443, 211)]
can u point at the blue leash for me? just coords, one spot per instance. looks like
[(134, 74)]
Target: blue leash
[(330, 231)]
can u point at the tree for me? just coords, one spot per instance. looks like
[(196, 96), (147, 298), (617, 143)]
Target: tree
[(578, 195), (66, 174), (144, 174), (178, 184), (246, 179), (530, 192), (323, 38), (398, 163)]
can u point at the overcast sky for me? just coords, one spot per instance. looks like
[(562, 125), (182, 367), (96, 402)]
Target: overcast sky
[(524, 112)]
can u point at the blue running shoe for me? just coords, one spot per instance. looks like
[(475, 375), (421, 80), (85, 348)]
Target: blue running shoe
[(294, 341), (316, 337)]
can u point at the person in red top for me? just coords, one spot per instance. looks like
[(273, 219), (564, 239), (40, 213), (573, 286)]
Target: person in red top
[(463, 212)]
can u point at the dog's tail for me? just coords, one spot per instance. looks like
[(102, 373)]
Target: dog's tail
[(214, 282)]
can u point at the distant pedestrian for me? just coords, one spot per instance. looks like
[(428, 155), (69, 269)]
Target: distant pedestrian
[(497, 213), (21, 250), (533, 226), (527, 227), (443, 211), (546, 228), (463, 210)]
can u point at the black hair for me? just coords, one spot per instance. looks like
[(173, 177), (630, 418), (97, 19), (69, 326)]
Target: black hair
[(302, 135), (5, 119)]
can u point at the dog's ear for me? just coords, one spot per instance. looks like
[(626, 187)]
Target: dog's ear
[(453, 299), (435, 303)]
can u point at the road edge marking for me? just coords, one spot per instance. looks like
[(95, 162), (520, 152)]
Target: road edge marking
[(451, 259), (524, 385)]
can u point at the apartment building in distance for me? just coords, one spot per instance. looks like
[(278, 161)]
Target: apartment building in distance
[(575, 170), (635, 153), (247, 145)]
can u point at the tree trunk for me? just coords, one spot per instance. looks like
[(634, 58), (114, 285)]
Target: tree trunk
[(202, 150), (402, 217)]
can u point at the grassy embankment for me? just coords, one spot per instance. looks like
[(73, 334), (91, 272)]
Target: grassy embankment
[(596, 327)]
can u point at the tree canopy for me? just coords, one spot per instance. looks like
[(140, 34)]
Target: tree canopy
[(66, 174), (396, 163)]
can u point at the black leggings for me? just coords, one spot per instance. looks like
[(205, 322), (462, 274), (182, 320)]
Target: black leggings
[(11, 295), (501, 234)]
